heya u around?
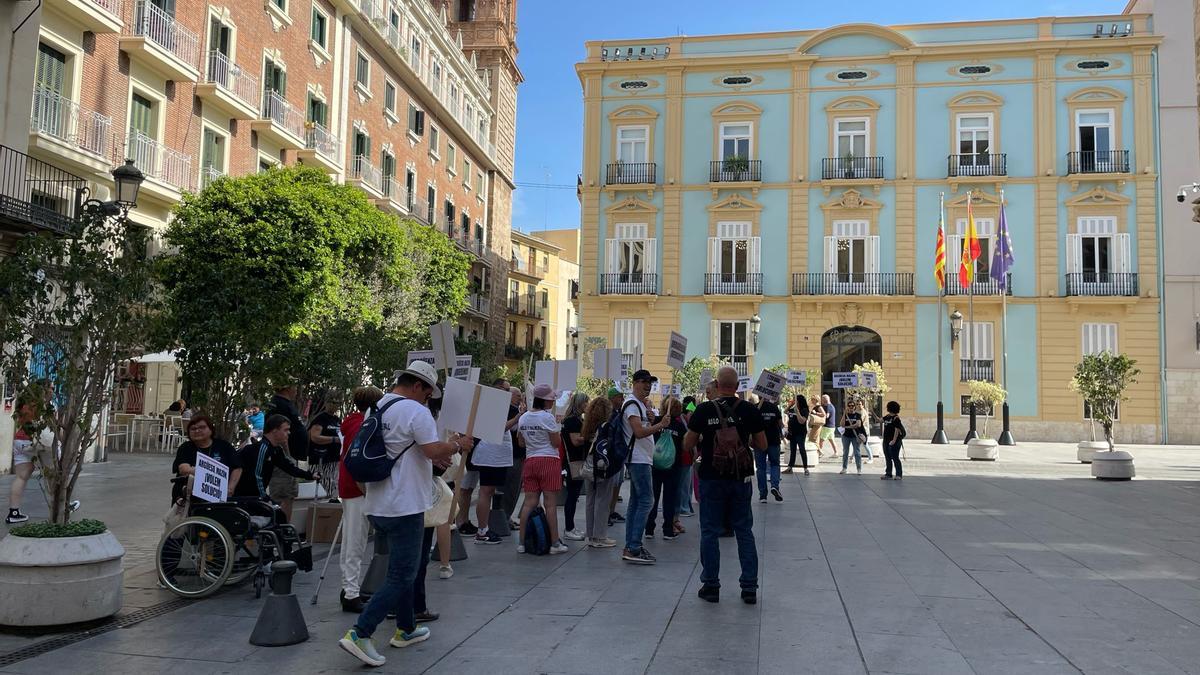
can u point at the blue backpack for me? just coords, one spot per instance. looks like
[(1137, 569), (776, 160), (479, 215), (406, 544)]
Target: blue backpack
[(612, 444), (537, 533), (367, 460)]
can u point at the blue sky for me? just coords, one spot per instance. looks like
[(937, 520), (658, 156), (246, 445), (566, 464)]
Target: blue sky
[(552, 32)]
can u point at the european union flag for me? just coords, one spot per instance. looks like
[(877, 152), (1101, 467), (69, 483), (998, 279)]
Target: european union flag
[(1002, 255)]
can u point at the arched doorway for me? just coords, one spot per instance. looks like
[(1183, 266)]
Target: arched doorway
[(842, 348)]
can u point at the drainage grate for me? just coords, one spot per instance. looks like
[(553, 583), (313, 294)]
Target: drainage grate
[(124, 621)]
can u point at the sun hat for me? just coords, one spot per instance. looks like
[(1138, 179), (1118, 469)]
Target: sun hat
[(423, 372), (544, 392)]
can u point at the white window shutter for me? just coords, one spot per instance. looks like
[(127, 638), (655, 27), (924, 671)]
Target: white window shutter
[(1121, 252), (714, 255), (612, 255), (985, 348), (953, 258), (985, 227), (873, 254), (650, 264), (831, 254), (1075, 253), (755, 255)]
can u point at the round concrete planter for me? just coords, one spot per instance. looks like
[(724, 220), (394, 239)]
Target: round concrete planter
[(1088, 448), (1115, 465), (49, 582), (983, 449)]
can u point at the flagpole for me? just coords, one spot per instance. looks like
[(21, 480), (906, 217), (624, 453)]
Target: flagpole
[(1006, 437), (939, 436), (972, 434)]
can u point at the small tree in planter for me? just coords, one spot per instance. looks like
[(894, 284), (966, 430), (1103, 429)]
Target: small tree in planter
[(848, 165), (869, 397), (736, 167), (1101, 379), (985, 395)]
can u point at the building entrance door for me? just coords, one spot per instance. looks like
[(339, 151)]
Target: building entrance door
[(842, 348)]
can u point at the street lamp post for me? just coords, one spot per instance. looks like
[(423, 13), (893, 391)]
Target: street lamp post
[(956, 319), (127, 179)]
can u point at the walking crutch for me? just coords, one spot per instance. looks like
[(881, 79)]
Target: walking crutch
[(336, 535)]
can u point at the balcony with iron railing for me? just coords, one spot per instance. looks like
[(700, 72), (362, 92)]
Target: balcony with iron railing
[(631, 173), (168, 168), (735, 170), (227, 86), (984, 285), (420, 210), (733, 283), (1098, 161), (210, 175), (983, 370), (367, 176), (162, 43), (97, 16), (852, 283), (1097, 284), (479, 304), (526, 306), (979, 164), (281, 123), (628, 283), (739, 362), (323, 147), (64, 120), (852, 168), (35, 195)]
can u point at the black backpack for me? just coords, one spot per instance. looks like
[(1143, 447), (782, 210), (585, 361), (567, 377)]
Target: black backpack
[(367, 460), (537, 533)]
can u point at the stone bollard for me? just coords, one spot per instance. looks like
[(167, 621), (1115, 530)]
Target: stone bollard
[(457, 550), (280, 623), (377, 570), (497, 520)]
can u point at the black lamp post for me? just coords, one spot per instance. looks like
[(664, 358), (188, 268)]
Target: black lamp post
[(939, 436), (128, 181)]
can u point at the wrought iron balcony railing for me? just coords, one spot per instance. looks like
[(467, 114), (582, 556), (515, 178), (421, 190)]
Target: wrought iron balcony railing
[(985, 286), (1102, 284), (36, 194), (626, 173), (1098, 161), (838, 283), (979, 164), (733, 283), (231, 77), (59, 117), (735, 170), (628, 283), (851, 168), (156, 25), (979, 369)]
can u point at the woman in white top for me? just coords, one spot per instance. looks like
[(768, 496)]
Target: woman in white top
[(541, 477)]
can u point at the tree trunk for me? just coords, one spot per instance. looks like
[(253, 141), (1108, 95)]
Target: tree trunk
[(1108, 436)]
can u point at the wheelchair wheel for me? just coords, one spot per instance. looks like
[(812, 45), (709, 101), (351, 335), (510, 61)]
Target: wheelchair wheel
[(195, 557)]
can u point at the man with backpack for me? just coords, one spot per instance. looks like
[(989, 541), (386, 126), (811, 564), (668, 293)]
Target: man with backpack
[(635, 417), (725, 428), (399, 481)]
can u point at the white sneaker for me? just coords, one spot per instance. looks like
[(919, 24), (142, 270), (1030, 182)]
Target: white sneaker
[(520, 548), (842, 471), (602, 543), (558, 547), (574, 535), (870, 460), (445, 572)]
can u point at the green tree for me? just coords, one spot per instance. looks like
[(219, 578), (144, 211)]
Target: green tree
[(812, 380), (987, 395), (1101, 379), (71, 309), (689, 376), (871, 398)]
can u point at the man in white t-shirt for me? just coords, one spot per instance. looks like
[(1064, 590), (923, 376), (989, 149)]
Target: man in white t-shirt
[(636, 420), (396, 506), (541, 476)]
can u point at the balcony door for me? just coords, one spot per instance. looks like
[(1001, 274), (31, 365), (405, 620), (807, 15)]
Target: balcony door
[(734, 258), (851, 257), (633, 144), (1095, 254), (1094, 129), (736, 140), (985, 231), (732, 345), (212, 156), (631, 259), (142, 133), (974, 144), (852, 136), (976, 352), (274, 78), (51, 107)]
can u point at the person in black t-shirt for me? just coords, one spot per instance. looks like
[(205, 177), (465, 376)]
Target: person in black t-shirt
[(666, 481), (767, 461), (285, 487), (797, 425), (262, 458), (324, 445), (722, 497), (893, 440), (202, 439), (576, 452)]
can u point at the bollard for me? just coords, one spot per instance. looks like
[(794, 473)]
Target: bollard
[(377, 570), (497, 520), (457, 550), (280, 623)]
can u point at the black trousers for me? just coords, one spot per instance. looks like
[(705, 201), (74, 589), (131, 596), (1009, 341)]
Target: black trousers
[(798, 446), (419, 583), (892, 454), (574, 489), (665, 481)]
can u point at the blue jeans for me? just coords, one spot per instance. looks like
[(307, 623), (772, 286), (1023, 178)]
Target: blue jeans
[(685, 489), (404, 536), (848, 441), (641, 495), (718, 499), (761, 460)]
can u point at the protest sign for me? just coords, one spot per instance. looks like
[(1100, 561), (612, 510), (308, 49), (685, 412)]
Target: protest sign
[(476, 411), (608, 364), (561, 375), (743, 384), (462, 367), (706, 376), (845, 380), (770, 385), (443, 345), (796, 378), (656, 389), (867, 379), (211, 482), (676, 351), (425, 355)]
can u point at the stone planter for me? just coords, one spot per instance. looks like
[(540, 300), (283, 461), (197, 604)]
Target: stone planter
[(49, 582), (1115, 465), (983, 449), (1088, 448)]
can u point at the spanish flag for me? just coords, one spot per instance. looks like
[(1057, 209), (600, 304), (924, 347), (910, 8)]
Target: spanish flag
[(970, 252), (939, 256)]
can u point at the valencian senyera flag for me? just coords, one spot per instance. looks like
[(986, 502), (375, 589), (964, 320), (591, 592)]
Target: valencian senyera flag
[(1002, 257), (970, 252), (939, 255)]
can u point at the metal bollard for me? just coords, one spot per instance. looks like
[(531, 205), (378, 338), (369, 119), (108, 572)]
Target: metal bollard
[(280, 623)]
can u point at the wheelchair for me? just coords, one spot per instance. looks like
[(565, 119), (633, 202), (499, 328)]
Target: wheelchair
[(225, 544)]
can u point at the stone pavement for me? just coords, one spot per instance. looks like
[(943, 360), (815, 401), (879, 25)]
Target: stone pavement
[(1021, 566)]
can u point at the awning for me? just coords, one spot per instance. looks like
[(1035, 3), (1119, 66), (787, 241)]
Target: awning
[(157, 357)]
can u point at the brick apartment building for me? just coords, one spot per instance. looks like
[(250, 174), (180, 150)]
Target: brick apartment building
[(412, 101)]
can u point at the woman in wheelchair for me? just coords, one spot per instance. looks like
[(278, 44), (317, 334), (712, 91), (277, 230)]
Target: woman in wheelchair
[(263, 457), (202, 439)]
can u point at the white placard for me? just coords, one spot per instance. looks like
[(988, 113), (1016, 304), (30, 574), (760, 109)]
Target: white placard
[(473, 376), (608, 364), (706, 376), (743, 384), (479, 412), (845, 380), (425, 355), (442, 335), (655, 388), (796, 378), (770, 385), (561, 375), (867, 379), (676, 351), (675, 390), (462, 368), (211, 482)]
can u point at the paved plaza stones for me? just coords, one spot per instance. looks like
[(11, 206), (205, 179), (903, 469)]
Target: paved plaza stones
[(1025, 565)]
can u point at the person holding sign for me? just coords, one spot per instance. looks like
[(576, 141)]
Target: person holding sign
[(264, 457), (541, 477), (635, 415), (767, 460), (853, 434), (797, 420), (396, 506), (202, 439)]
